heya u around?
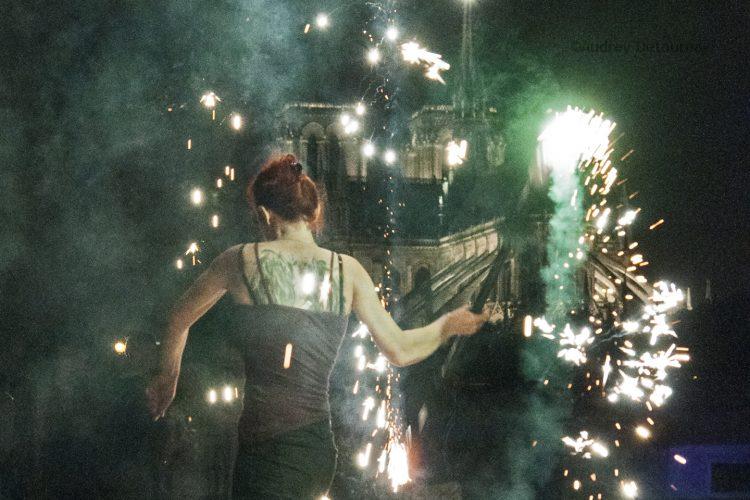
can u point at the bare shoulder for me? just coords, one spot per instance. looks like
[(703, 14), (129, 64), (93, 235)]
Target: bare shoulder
[(353, 267), (226, 261)]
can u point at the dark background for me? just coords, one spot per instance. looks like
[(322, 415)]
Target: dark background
[(95, 174)]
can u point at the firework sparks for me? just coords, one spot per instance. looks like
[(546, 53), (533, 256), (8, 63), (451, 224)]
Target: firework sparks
[(434, 64), (577, 353), (456, 152), (576, 145), (585, 446), (210, 100)]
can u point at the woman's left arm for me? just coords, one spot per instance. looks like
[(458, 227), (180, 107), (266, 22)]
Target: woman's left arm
[(210, 286)]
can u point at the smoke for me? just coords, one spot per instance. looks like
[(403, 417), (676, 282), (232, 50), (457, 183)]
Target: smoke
[(547, 408), (94, 210)]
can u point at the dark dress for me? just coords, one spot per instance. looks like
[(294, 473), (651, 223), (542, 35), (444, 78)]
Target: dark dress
[(286, 447)]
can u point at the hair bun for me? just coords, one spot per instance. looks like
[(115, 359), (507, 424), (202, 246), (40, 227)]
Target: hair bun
[(297, 169)]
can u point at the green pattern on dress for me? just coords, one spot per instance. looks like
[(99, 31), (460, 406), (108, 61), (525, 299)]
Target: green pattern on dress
[(296, 283)]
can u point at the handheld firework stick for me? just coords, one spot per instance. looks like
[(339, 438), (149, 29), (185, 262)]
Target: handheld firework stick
[(477, 305)]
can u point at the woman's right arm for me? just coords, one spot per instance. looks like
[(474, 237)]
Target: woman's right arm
[(405, 347)]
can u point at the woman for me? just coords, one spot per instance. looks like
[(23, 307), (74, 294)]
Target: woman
[(292, 303)]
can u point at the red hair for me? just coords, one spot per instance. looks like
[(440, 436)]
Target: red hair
[(282, 187)]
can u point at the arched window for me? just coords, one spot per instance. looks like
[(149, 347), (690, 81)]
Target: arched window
[(312, 157), (335, 160), (420, 277)]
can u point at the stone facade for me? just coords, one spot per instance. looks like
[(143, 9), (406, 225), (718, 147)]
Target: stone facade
[(314, 133)]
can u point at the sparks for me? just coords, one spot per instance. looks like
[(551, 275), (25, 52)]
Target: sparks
[(209, 100), (434, 64), (456, 152)]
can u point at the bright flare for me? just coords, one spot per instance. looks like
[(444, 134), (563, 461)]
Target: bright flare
[(373, 56), (368, 149), (391, 33), (390, 157), (308, 283), (196, 196), (434, 64), (120, 347), (227, 394), (456, 152), (573, 137), (236, 121), (322, 21), (209, 100)]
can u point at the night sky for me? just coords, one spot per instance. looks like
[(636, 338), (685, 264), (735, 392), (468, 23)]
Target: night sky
[(95, 174)]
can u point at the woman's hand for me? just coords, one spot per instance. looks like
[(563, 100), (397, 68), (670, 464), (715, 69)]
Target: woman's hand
[(462, 321), (160, 393)]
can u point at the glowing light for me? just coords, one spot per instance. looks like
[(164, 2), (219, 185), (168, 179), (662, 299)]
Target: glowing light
[(380, 418), (363, 457), (434, 64), (391, 33), (456, 152), (227, 394), (390, 156), (368, 149), (196, 196), (627, 218), (351, 127), (212, 396), (368, 405), (192, 249), (680, 459), (630, 489), (120, 347), (585, 446), (361, 331), (307, 285), (236, 121), (398, 466), (288, 356), (577, 353), (373, 56), (631, 326), (606, 370), (360, 109), (573, 137), (209, 100), (527, 326), (214, 221), (642, 432), (179, 264), (656, 224), (322, 21)]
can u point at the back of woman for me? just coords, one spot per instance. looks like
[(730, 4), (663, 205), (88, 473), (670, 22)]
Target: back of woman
[(288, 327), (291, 304)]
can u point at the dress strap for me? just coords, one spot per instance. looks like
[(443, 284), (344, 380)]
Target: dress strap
[(341, 285), (262, 276), (330, 283), (241, 263)]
